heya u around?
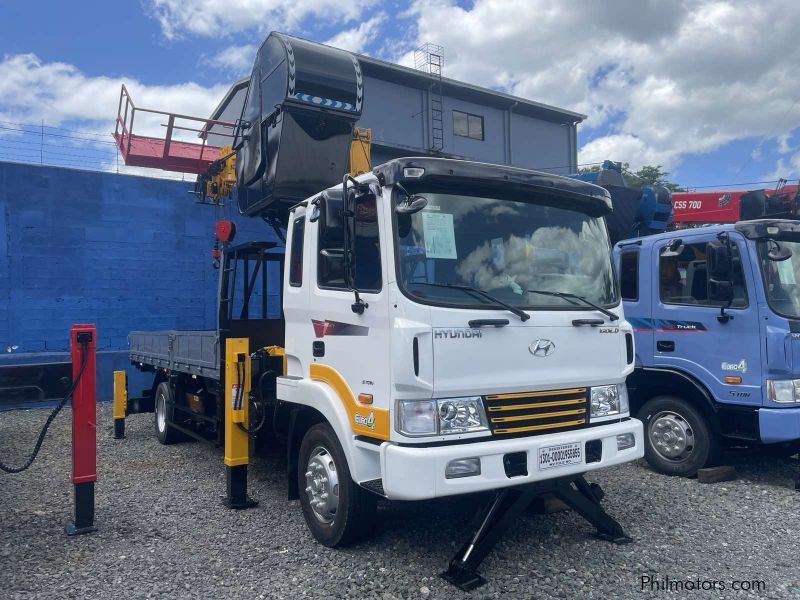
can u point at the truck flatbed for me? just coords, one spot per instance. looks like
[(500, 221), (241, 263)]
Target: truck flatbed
[(195, 352)]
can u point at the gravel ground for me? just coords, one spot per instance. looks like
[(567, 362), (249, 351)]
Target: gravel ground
[(162, 532)]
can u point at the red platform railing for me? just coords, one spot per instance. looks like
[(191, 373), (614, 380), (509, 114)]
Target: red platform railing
[(167, 152)]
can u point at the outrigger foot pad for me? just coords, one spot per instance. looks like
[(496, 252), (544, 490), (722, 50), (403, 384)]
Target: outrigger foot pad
[(237, 497), (464, 579), (509, 503), (614, 538), (240, 504)]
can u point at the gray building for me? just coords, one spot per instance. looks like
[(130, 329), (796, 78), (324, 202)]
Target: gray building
[(417, 111)]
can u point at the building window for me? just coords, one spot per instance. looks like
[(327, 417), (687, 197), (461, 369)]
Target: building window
[(467, 125), (296, 259), (629, 275), (683, 278)]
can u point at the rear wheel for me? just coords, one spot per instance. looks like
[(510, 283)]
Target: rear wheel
[(678, 439), (163, 412), (337, 510)]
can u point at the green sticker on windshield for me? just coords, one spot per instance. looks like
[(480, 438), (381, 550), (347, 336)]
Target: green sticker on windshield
[(440, 236)]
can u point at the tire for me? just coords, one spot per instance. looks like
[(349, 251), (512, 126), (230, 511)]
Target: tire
[(678, 439), (163, 414), (348, 512)]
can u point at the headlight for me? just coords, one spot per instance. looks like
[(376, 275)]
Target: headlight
[(441, 417), (461, 415), (416, 417), (608, 400), (783, 390)]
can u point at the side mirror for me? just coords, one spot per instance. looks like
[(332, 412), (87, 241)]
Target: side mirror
[(718, 261), (414, 204), (778, 253), (719, 290), (673, 249)]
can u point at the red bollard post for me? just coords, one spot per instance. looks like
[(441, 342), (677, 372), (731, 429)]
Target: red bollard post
[(83, 342)]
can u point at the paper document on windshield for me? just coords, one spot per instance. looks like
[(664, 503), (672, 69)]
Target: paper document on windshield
[(786, 272), (440, 236)]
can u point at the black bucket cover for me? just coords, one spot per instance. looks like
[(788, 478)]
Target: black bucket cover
[(303, 100)]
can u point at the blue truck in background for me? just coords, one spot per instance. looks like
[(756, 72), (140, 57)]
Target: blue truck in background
[(716, 315)]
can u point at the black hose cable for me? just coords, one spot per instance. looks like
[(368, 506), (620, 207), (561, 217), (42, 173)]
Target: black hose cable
[(260, 409), (53, 415)]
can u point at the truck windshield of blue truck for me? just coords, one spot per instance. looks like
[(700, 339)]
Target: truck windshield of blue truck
[(782, 279), (506, 248)]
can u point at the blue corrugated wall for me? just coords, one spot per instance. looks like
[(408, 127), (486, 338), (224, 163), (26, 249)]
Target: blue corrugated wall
[(121, 251)]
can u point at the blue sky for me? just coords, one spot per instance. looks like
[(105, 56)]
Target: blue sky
[(687, 84)]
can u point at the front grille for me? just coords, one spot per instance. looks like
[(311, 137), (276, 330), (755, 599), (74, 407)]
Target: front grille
[(545, 412)]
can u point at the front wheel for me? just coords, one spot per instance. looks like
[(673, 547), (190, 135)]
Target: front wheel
[(678, 439), (337, 510)]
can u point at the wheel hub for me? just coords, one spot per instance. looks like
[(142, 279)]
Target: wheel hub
[(671, 436), (161, 413), (322, 484)]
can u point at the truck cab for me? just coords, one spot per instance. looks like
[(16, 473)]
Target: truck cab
[(716, 315), (442, 353)]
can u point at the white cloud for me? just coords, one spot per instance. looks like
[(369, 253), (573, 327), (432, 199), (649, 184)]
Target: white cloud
[(59, 94), (784, 145), (220, 18), (357, 38), (623, 146), (787, 167), (662, 78), (235, 59), (32, 90)]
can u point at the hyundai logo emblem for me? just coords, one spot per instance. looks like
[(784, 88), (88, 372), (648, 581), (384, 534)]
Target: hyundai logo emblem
[(542, 348)]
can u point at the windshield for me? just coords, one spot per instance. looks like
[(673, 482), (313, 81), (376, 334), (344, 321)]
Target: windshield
[(506, 248), (782, 279)]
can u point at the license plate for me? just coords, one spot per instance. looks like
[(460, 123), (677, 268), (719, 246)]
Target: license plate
[(553, 457)]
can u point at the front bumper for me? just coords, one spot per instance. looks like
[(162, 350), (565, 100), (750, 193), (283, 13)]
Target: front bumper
[(417, 473), (779, 424)]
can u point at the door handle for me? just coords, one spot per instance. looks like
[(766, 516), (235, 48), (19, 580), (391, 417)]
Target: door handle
[(665, 346)]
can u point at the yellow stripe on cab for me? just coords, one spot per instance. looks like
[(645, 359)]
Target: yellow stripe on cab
[(364, 419)]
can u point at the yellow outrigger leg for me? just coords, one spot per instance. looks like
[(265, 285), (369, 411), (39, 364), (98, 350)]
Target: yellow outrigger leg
[(237, 400), (120, 403)]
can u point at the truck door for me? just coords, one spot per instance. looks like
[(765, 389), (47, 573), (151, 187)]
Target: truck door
[(687, 334), (355, 345), (635, 290)]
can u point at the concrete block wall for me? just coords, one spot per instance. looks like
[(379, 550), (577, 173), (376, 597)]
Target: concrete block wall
[(123, 252)]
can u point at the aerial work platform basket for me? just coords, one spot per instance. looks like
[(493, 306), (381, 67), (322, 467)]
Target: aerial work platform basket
[(176, 149)]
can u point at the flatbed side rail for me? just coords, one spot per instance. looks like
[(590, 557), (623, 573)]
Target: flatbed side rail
[(192, 352)]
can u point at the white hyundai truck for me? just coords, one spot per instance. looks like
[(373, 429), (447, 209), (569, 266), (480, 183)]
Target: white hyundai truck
[(435, 327)]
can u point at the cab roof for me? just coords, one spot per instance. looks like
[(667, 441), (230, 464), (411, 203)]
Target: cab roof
[(495, 179)]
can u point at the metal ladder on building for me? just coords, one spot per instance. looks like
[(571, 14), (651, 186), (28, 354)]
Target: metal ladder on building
[(429, 58)]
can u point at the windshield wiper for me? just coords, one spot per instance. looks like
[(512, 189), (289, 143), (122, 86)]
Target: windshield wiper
[(523, 316), (570, 297)]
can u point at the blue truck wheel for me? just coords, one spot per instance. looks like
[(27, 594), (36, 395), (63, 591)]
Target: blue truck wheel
[(678, 439)]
